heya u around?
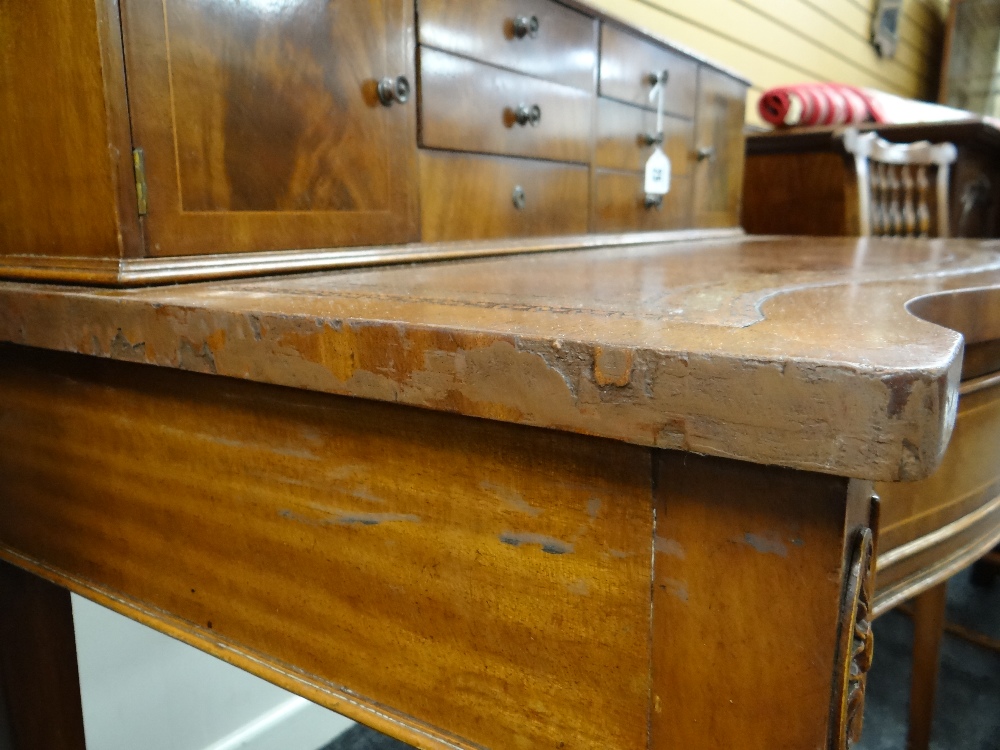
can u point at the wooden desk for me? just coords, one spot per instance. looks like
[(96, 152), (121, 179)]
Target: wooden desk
[(615, 497)]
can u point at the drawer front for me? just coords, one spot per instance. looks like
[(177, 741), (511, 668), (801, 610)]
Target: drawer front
[(563, 49), (621, 138), (266, 134), (620, 204), (467, 196), (468, 106), (626, 63), (719, 140)]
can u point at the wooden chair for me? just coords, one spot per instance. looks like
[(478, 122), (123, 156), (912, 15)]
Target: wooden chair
[(895, 193)]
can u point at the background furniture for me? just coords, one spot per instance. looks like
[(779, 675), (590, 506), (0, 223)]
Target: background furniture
[(804, 181), (902, 187)]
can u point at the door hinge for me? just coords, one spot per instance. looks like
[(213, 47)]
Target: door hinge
[(139, 163)]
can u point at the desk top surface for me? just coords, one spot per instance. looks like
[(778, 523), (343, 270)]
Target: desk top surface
[(792, 351)]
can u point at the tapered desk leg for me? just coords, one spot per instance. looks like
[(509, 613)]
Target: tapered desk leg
[(928, 628), (761, 594), (38, 670)]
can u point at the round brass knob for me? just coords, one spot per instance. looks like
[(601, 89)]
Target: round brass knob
[(660, 77), (518, 197), (393, 90), (706, 152), (525, 115), (526, 26)]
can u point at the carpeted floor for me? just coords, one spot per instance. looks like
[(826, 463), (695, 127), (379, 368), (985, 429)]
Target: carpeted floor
[(968, 698)]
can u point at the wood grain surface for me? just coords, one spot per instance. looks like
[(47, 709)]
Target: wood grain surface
[(468, 106), (621, 143), (750, 563), (65, 145), (718, 180), (627, 61), (470, 197), (564, 50), (265, 132), (769, 350), (620, 203), (456, 582)]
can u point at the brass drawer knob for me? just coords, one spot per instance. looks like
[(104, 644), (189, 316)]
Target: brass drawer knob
[(525, 115), (393, 90), (526, 26), (706, 152), (654, 201), (651, 139), (658, 78), (518, 198)]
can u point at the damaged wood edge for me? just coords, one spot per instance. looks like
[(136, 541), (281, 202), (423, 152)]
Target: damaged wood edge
[(150, 271), (284, 676)]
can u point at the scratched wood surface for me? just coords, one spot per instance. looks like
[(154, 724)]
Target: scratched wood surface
[(456, 582), (769, 350)]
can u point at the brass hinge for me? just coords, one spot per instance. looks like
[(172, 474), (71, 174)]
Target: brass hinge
[(139, 163)]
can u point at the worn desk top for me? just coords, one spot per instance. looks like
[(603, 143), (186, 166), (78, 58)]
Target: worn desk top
[(792, 351)]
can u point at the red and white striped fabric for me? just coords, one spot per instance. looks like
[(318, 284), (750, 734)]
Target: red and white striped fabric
[(819, 104)]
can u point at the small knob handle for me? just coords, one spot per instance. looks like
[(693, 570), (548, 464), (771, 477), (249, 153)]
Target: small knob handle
[(660, 77), (654, 201), (525, 115), (393, 90), (518, 198), (526, 26), (651, 139), (706, 152)]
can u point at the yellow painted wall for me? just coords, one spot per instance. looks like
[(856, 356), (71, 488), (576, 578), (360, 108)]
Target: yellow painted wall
[(776, 42)]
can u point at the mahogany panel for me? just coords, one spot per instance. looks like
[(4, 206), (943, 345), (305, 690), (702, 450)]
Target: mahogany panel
[(456, 582), (64, 142), (563, 50), (468, 106), (466, 197), (261, 127), (750, 566), (620, 203), (800, 193), (622, 143), (719, 142), (626, 63)]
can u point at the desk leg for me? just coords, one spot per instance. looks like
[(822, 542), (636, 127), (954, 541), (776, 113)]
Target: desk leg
[(761, 583), (39, 679), (928, 628)]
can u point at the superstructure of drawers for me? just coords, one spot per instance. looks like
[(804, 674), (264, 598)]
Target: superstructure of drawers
[(213, 139)]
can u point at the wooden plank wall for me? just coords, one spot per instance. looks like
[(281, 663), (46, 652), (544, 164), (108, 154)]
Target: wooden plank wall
[(775, 42)]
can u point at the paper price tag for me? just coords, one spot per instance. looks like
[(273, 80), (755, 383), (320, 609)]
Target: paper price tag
[(657, 174)]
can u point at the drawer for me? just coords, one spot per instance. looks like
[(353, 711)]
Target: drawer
[(467, 196), (564, 48), (718, 177), (621, 144), (620, 204), (469, 106), (626, 63)]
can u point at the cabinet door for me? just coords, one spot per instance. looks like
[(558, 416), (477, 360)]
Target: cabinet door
[(719, 142), (260, 124)]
